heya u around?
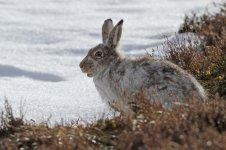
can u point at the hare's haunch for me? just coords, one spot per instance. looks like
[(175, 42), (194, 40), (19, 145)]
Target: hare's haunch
[(120, 80)]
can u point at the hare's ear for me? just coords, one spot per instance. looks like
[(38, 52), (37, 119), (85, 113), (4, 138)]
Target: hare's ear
[(115, 35), (106, 29)]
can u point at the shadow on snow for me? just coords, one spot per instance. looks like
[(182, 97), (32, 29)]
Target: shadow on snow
[(11, 71)]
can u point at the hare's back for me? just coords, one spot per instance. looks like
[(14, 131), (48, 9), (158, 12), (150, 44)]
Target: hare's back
[(164, 76), (156, 75), (164, 72)]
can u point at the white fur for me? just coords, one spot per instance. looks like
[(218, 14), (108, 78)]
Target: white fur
[(119, 80), (113, 86)]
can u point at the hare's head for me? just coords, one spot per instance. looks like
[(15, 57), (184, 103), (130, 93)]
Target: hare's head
[(100, 56)]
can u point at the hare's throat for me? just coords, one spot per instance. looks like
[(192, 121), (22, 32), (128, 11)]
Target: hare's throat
[(106, 69)]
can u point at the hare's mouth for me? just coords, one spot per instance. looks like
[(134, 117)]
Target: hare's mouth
[(89, 75), (88, 72)]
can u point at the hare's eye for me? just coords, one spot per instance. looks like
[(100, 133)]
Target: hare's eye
[(98, 54)]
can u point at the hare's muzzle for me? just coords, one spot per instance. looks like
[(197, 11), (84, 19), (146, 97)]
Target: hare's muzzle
[(81, 65), (86, 67)]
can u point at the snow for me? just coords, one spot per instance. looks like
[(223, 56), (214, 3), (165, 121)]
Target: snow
[(43, 41)]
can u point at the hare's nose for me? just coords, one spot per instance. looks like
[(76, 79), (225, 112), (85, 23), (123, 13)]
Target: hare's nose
[(81, 65)]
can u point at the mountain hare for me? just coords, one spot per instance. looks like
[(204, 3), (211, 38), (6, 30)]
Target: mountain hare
[(118, 80)]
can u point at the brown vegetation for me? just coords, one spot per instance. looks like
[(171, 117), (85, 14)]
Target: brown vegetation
[(190, 126), (193, 126), (206, 56)]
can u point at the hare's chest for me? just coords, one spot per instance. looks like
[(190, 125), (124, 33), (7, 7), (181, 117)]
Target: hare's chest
[(105, 90), (112, 90)]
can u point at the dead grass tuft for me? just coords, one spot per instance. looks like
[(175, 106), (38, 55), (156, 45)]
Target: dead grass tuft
[(205, 56)]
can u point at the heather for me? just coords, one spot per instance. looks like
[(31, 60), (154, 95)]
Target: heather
[(189, 126)]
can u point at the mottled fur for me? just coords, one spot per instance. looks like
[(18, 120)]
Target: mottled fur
[(119, 79)]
